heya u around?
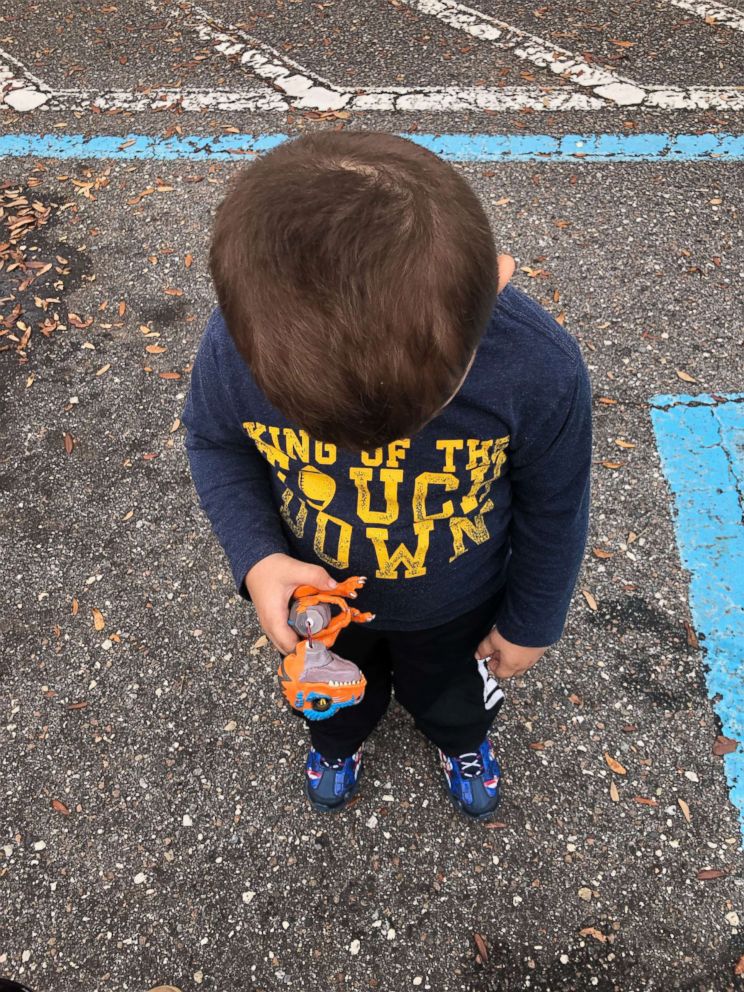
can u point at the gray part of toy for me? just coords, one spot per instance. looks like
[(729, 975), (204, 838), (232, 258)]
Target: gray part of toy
[(323, 665), (318, 617)]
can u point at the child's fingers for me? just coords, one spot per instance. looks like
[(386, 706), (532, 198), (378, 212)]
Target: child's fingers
[(276, 628)]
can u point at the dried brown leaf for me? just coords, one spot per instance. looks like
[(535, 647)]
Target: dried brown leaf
[(69, 443), (481, 945), (692, 640), (60, 807), (614, 794), (724, 745), (685, 376), (706, 874), (614, 764), (685, 810), (590, 600), (602, 553), (99, 621)]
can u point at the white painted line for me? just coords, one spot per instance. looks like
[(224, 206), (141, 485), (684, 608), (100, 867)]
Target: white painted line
[(696, 98), (455, 98), (260, 100), (713, 13)]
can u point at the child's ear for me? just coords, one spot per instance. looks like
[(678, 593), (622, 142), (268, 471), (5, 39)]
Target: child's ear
[(505, 266)]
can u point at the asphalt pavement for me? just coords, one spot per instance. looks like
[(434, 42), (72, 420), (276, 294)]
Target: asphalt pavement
[(153, 828)]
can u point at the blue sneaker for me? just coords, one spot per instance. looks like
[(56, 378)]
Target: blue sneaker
[(329, 785), (473, 780)]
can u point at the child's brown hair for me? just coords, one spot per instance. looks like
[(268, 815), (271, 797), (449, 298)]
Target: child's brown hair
[(356, 272)]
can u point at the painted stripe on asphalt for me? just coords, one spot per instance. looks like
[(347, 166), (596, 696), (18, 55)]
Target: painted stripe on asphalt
[(453, 147), (701, 444)]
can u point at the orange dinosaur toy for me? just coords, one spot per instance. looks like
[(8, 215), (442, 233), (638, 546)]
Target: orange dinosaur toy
[(314, 680)]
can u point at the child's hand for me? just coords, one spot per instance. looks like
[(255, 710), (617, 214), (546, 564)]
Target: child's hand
[(507, 659), (270, 584)]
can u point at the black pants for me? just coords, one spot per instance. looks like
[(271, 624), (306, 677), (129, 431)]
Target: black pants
[(435, 677)]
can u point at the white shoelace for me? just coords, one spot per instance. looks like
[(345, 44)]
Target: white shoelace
[(471, 764), (335, 765)]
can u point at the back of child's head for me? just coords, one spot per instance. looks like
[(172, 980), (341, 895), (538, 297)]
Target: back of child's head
[(356, 272)]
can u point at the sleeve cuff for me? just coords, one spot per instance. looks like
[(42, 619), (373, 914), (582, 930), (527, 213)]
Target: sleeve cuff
[(534, 635)]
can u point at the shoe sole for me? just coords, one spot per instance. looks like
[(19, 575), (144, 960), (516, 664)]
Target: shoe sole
[(323, 808)]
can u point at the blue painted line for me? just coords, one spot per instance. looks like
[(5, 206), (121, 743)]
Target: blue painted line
[(453, 147), (701, 444)]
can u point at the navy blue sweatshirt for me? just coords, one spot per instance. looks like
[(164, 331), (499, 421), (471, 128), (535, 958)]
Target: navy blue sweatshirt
[(493, 492)]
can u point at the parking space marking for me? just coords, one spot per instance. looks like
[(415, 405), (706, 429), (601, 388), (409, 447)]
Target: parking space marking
[(701, 444), (575, 148), (618, 90), (289, 85), (714, 14)]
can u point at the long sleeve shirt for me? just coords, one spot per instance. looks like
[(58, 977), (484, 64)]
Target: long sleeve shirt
[(492, 493)]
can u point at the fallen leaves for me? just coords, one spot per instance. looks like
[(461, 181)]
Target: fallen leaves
[(69, 443), (591, 602), (685, 376), (724, 745), (99, 621), (593, 932), (622, 443), (188, 260), (692, 639), (614, 794), (602, 553), (60, 807), (104, 369), (708, 874), (615, 764), (77, 321), (685, 809), (481, 947), (622, 44)]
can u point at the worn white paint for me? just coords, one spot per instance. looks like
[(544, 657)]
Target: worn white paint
[(696, 98), (20, 89), (719, 13), (306, 90), (195, 100)]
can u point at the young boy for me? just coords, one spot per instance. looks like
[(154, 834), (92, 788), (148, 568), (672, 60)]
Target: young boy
[(374, 398)]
